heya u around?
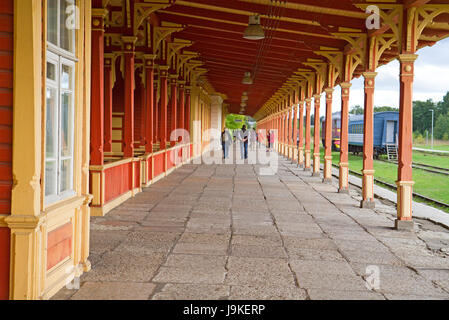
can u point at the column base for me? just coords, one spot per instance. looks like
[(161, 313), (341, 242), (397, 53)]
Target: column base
[(404, 200), (404, 225), (87, 266), (344, 176), (344, 191), (316, 174), (327, 172), (327, 180), (307, 169), (367, 204)]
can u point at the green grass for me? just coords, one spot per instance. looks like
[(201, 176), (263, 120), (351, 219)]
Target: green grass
[(432, 160), (436, 147), (428, 184)]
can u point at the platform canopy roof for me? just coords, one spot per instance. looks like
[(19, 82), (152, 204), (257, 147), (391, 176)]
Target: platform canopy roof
[(301, 36)]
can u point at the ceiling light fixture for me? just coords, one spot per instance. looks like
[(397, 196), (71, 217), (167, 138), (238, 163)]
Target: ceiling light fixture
[(254, 30), (247, 79)]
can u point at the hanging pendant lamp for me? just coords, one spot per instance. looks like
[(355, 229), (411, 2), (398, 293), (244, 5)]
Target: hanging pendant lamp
[(254, 30), (247, 79)]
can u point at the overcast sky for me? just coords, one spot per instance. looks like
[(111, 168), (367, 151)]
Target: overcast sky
[(431, 80)]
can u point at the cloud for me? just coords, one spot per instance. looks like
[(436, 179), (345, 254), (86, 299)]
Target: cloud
[(431, 80)]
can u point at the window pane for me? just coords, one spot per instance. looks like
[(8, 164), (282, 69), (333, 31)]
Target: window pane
[(52, 21), (51, 124), (67, 24), (66, 125), (51, 71), (65, 183), (66, 77), (51, 173)]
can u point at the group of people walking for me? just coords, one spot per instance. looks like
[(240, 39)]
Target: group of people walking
[(243, 137)]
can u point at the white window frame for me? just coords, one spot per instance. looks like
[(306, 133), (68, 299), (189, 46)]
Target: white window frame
[(61, 57)]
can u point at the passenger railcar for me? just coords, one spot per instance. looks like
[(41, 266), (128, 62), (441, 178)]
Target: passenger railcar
[(336, 125), (386, 127)]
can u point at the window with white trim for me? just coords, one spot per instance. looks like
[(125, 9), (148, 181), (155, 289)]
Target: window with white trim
[(60, 102)]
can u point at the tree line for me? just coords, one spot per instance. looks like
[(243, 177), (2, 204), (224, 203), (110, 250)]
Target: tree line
[(422, 117)]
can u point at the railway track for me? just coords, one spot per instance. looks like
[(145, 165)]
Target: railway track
[(422, 166), (394, 187)]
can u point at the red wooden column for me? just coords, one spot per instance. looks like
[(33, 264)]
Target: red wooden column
[(289, 131), (301, 134), (182, 106), (187, 112), (163, 74), (156, 109), (281, 132), (174, 105), (328, 138), (108, 86), (284, 132), (129, 55), (143, 112), (316, 140), (295, 131), (149, 100), (307, 166), (344, 160), (368, 143), (278, 133), (97, 88), (405, 180)]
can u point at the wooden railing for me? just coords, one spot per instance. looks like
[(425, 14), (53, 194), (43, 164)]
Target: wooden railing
[(118, 180)]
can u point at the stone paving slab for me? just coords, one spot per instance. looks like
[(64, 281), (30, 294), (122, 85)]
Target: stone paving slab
[(226, 232)]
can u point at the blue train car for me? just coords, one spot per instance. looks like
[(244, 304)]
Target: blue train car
[(386, 127)]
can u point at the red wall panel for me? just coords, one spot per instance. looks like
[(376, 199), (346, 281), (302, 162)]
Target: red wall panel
[(137, 181), (158, 164), (59, 245), (117, 181)]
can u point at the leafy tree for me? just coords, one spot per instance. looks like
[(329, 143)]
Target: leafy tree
[(236, 121), (356, 110), (384, 109), (442, 107), (422, 116), (442, 126)]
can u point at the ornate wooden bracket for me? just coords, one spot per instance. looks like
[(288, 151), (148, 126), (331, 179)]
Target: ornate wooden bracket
[(320, 68), (110, 60), (378, 45), (309, 77), (184, 57), (355, 52), (176, 46), (420, 18), (142, 10), (162, 32), (198, 72), (335, 65)]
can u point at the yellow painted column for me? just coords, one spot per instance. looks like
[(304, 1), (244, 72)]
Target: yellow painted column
[(25, 221)]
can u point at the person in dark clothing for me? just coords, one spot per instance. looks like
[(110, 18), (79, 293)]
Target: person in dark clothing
[(226, 141), (269, 139), (245, 141)]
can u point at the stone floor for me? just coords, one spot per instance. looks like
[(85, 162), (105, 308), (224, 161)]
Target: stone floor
[(226, 232)]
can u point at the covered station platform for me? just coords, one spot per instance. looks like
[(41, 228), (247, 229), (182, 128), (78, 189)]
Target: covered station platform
[(111, 179)]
